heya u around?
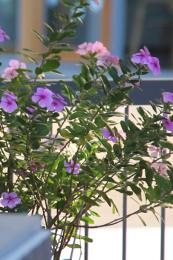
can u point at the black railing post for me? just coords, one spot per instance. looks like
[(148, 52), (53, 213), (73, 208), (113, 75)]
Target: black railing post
[(162, 240)]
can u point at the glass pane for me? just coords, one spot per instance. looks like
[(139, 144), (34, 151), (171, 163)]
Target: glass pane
[(150, 23), (8, 22), (89, 31)]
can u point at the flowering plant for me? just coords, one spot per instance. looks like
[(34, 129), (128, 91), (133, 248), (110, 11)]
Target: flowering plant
[(62, 176)]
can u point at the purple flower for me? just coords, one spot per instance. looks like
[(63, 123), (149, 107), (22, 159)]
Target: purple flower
[(108, 135), (35, 164), (57, 104), (8, 104), (154, 66), (141, 57), (167, 97), (31, 110), (10, 199), (24, 173), (168, 124), (2, 35), (9, 94), (72, 166), (43, 96)]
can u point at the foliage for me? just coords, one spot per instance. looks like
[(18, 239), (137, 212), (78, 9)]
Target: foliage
[(61, 177)]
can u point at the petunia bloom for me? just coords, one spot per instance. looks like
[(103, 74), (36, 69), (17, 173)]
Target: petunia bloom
[(8, 104), (43, 96), (10, 199), (57, 104), (71, 166), (168, 124), (167, 97), (154, 66), (108, 135), (2, 35)]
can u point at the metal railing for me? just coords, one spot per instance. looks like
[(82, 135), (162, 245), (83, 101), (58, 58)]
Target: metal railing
[(152, 90)]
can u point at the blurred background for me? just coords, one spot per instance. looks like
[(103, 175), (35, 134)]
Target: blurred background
[(124, 26)]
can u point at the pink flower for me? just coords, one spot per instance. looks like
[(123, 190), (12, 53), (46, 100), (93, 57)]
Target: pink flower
[(154, 66), (141, 57), (84, 48), (10, 72), (43, 96), (122, 133), (154, 150), (108, 135), (108, 59), (167, 97), (17, 65), (70, 167), (99, 48), (2, 35), (57, 104), (10, 200), (120, 109), (8, 104), (96, 2), (160, 168), (168, 124)]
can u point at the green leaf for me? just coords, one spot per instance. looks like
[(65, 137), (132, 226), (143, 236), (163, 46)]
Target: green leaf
[(78, 14), (168, 198), (136, 190), (38, 70), (149, 172), (39, 37), (115, 76), (166, 144), (105, 197), (68, 4), (123, 66), (79, 114), (27, 56), (163, 183), (106, 81), (117, 149), (88, 200), (51, 65), (143, 222), (87, 220), (75, 246), (49, 27), (53, 37), (86, 239)]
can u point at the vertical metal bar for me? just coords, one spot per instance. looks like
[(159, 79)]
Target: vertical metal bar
[(124, 239), (162, 240), (124, 242), (86, 244)]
